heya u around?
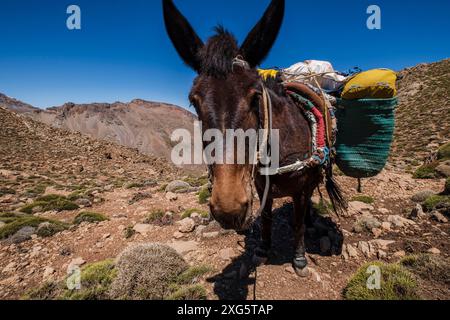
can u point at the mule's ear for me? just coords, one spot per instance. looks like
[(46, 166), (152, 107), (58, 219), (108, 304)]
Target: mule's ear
[(260, 40), (186, 41)]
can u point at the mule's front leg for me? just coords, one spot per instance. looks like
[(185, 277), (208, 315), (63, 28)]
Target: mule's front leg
[(301, 209), (262, 252)]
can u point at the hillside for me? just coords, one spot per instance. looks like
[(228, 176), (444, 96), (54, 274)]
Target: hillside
[(423, 116), (146, 126)]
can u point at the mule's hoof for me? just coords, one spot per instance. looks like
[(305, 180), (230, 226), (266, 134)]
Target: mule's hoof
[(302, 273), (300, 263)]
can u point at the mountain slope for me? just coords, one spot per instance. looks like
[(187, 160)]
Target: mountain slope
[(423, 116), (16, 105)]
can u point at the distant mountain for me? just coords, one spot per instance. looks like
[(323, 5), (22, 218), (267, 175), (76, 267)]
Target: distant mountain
[(143, 125)]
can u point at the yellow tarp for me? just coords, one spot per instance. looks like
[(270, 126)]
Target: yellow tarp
[(269, 73), (375, 84)]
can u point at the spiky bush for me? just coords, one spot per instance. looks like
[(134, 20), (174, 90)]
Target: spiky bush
[(90, 217), (146, 272), (397, 283), (27, 221), (49, 203)]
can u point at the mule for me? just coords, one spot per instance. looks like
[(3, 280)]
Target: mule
[(227, 95)]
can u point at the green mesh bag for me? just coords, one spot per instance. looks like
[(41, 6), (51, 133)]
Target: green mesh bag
[(366, 130)]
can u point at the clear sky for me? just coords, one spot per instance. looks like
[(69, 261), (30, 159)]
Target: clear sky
[(122, 51)]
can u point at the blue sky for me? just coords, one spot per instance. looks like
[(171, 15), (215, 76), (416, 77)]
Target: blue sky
[(122, 51)]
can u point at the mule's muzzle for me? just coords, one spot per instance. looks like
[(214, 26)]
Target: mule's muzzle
[(239, 219)]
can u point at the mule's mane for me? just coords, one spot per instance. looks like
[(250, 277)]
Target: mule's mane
[(218, 53)]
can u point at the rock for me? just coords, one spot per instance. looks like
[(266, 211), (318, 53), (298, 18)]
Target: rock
[(357, 207), (48, 272), (399, 254), (211, 235), (366, 223), (187, 225), (171, 196), (325, 245), (352, 252), (315, 275), (377, 232), (83, 202), (178, 187), (227, 254), (143, 228), (106, 236), (22, 235), (422, 196), (434, 251), (444, 169), (399, 221), (383, 244), (386, 226), (77, 262), (10, 267), (381, 254), (384, 211), (365, 248), (178, 235), (417, 212), (183, 247), (439, 217)]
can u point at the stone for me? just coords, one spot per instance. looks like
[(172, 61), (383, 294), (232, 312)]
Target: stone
[(434, 251), (178, 186), (399, 254), (381, 254), (384, 211), (143, 229), (187, 225), (211, 235), (178, 235), (352, 252), (171, 196), (383, 244), (325, 245), (422, 196), (227, 254), (183, 247), (77, 262), (365, 248), (386, 226), (83, 202), (357, 207), (315, 275), (417, 212), (399, 221), (444, 169), (439, 217), (290, 269), (377, 232), (10, 267), (22, 235), (366, 223), (48, 272)]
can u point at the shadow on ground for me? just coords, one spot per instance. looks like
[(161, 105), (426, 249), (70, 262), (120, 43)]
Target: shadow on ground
[(236, 279)]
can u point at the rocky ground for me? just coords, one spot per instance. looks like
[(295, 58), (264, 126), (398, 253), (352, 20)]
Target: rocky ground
[(142, 200)]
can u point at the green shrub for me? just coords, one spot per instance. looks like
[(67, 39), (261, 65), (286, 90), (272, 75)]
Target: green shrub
[(444, 152), (129, 232), (154, 216), (91, 217), (8, 217), (397, 283), (134, 185), (203, 195), (96, 280), (49, 229), (25, 221), (197, 181), (190, 275), (323, 208), (188, 213), (427, 171), (364, 199), (429, 267), (47, 291), (190, 293), (4, 191), (50, 203), (447, 187), (434, 201)]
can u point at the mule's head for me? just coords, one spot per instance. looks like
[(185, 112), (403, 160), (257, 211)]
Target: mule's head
[(227, 96)]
